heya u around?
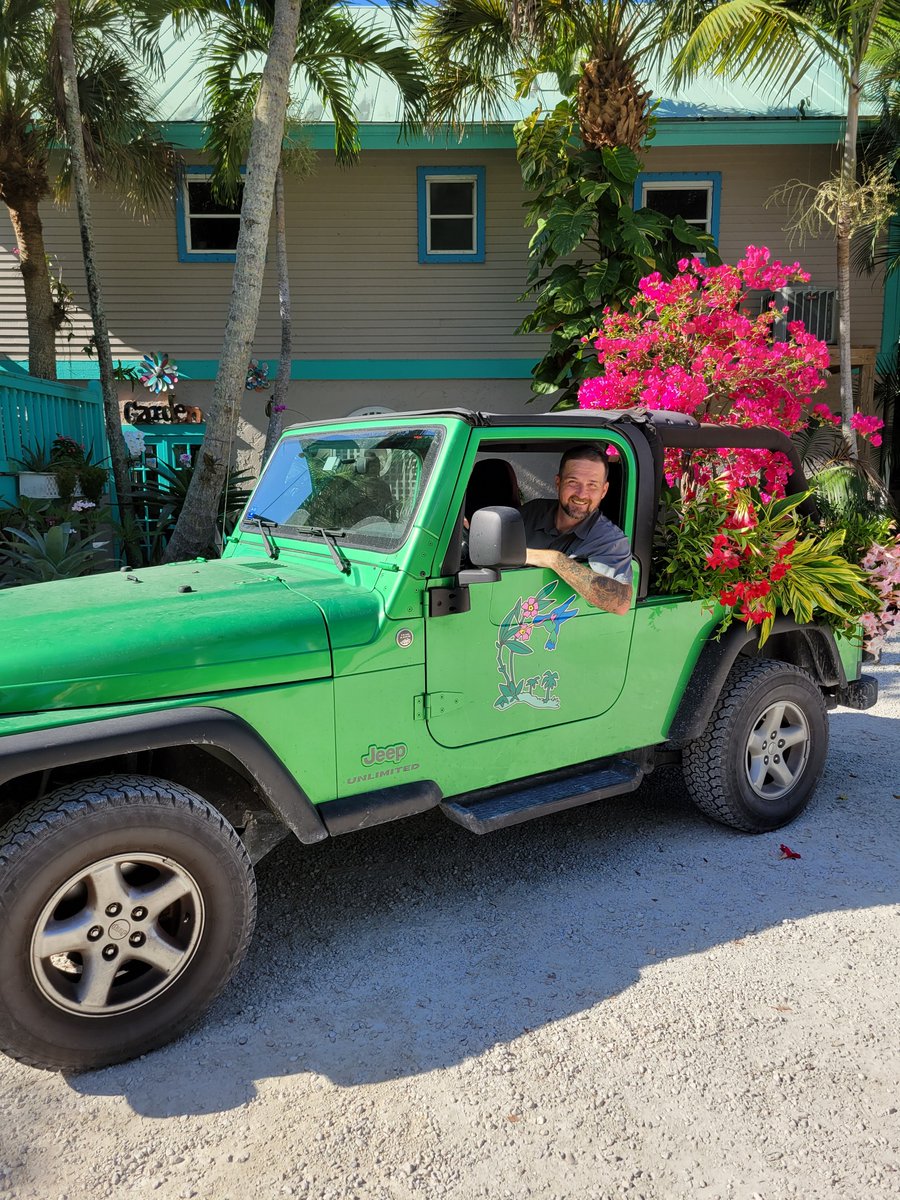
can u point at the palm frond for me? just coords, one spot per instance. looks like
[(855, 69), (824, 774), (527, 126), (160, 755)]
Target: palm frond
[(469, 49), (121, 137), (332, 84), (762, 41), (845, 486), (228, 132), (337, 38), (333, 54)]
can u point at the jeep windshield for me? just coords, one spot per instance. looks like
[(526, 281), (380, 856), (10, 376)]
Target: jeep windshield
[(363, 485)]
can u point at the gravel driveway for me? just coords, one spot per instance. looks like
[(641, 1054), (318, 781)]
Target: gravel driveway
[(622, 1000)]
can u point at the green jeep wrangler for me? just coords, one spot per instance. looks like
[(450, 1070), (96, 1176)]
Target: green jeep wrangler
[(369, 646)]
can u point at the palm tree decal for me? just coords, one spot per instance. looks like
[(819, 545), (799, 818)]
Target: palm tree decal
[(538, 613), (549, 680)]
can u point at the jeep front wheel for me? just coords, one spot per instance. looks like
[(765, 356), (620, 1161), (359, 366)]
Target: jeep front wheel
[(763, 751), (126, 904)]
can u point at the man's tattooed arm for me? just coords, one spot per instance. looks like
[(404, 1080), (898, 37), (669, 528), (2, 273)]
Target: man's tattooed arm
[(598, 590)]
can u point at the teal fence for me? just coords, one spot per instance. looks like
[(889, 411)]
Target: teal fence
[(34, 411)]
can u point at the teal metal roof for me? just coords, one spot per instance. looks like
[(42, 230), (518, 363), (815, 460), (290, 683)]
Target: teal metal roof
[(816, 100)]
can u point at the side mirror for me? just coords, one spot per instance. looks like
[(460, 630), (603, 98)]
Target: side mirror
[(497, 538)]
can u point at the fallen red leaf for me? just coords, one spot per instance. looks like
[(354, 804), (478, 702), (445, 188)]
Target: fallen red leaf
[(787, 852)]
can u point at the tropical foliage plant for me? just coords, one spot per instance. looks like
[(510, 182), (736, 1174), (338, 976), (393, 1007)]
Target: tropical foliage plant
[(72, 466), (755, 559), (582, 204), (35, 557), (158, 505)]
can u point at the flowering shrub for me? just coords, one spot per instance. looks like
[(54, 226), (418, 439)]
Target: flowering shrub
[(883, 566), (685, 345)]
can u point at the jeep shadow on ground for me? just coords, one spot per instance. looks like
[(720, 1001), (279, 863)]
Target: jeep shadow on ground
[(419, 945)]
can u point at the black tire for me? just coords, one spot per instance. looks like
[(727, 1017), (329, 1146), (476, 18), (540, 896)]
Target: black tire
[(85, 984), (735, 771)]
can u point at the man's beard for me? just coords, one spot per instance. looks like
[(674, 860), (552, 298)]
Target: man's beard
[(582, 511)]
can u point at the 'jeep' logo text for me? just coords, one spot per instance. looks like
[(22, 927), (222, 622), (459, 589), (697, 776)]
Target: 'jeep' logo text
[(380, 754)]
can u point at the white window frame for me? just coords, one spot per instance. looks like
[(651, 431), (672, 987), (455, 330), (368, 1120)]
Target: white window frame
[(186, 252)]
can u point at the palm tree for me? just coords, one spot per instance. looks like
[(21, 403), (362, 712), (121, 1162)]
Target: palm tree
[(772, 45), (481, 50), (549, 680), (196, 524), (120, 142), (80, 174), (331, 53)]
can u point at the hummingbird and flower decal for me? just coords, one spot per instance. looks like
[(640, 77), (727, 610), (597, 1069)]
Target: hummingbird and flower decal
[(538, 614)]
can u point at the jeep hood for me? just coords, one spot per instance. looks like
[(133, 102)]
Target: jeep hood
[(181, 630)]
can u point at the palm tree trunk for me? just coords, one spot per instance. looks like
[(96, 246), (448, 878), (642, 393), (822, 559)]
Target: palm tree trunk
[(282, 381), (195, 529), (29, 230), (843, 234), (118, 452)]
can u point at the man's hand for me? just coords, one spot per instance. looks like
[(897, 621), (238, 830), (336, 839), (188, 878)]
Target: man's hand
[(598, 590)]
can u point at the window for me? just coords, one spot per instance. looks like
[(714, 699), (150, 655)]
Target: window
[(451, 214), (693, 197), (207, 228), (363, 485)]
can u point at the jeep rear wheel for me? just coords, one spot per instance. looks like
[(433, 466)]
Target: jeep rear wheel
[(126, 905), (763, 751)]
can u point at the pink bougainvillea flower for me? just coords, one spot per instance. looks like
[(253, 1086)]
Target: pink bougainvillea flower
[(866, 425), (824, 414), (787, 852)]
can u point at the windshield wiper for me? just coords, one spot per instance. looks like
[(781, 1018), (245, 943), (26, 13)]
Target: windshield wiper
[(263, 524), (328, 536)]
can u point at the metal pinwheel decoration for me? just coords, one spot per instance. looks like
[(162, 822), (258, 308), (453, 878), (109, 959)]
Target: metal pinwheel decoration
[(157, 373), (257, 375)]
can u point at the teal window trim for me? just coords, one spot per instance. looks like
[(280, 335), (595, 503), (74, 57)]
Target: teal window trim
[(423, 177), (185, 253), (684, 179)]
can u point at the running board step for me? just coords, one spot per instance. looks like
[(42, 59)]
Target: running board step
[(495, 808)]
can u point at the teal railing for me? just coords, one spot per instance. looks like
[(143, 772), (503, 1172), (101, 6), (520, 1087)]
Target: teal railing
[(34, 411)]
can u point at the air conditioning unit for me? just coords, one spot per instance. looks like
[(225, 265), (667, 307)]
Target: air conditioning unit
[(816, 307)]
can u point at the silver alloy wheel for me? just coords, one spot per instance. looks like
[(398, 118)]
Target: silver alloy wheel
[(116, 934), (777, 750)]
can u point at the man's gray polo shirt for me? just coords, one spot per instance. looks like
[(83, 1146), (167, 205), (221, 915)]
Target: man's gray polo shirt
[(594, 540)]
